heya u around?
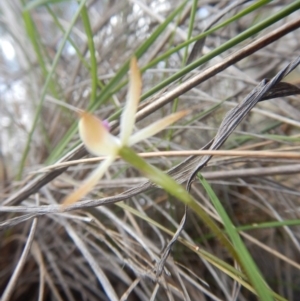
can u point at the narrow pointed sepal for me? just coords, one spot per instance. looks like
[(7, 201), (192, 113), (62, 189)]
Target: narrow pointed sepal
[(155, 127), (133, 99), (88, 184)]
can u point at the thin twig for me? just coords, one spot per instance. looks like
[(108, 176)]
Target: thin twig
[(217, 153)]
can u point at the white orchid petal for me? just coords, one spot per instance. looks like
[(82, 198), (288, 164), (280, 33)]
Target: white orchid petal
[(133, 98), (89, 183), (156, 127), (96, 137)]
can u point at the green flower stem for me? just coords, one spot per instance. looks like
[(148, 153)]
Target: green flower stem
[(172, 187)]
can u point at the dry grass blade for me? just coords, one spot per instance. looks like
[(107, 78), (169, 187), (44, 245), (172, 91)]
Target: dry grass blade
[(236, 115), (17, 271), (281, 90), (92, 262)]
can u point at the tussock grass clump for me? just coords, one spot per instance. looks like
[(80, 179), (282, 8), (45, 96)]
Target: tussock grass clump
[(153, 227)]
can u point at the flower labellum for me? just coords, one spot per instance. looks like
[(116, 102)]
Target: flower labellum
[(95, 136)]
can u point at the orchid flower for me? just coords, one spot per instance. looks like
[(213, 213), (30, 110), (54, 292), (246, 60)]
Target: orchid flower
[(97, 139)]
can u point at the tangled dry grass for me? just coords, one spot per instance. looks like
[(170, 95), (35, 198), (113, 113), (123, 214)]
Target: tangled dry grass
[(107, 246)]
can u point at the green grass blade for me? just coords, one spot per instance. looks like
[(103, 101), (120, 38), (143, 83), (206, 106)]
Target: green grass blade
[(191, 26), (90, 39), (36, 3), (239, 15), (60, 27), (274, 224), (45, 88), (245, 258)]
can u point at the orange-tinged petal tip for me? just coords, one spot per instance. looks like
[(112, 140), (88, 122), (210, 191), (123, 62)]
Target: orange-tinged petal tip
[(135, 79)]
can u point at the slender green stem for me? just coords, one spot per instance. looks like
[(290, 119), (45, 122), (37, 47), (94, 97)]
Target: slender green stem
[(191, 26), (58, 24), (274, 224), (171, 186), (238, 249), (190, 31), (90, 40)]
